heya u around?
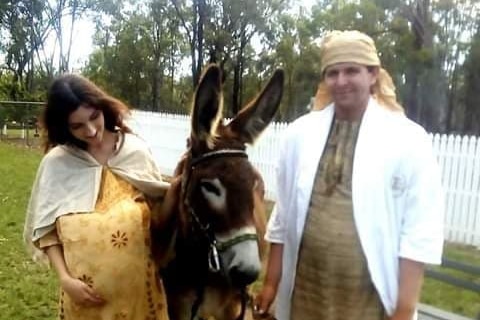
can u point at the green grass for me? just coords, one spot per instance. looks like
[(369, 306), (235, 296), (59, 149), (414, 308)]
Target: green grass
[(28, 291), (451, 298)]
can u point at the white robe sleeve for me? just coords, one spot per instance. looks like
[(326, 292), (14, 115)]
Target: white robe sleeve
[(421, 234), (276, 228)]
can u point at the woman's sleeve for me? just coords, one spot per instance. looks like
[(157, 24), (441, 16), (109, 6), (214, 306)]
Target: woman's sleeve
[(50, 239)]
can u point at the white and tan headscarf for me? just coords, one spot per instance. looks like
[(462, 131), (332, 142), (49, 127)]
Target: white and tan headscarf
[(357, 47)]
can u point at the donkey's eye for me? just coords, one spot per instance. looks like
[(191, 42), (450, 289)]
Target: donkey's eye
[(215, 193), (210, 187)]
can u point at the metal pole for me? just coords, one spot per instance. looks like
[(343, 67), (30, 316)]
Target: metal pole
[(28, 125), (22, 102)]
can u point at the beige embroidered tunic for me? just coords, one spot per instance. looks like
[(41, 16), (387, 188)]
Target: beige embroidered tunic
[(109, 249), (332, 279)]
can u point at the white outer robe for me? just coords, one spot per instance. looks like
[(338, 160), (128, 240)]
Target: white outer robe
[(398, 202)]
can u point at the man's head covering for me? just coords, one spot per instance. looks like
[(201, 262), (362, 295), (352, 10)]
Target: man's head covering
[(357, 47)]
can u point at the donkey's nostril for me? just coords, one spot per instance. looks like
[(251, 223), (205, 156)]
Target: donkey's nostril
[(243, 277)]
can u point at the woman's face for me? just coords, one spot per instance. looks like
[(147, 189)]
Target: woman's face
[(87, 124)]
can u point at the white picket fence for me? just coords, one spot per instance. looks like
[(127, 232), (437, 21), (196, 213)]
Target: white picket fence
[(458, 156), (459, 159)]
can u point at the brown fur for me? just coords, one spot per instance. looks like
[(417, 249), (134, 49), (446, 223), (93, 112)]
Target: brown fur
[(243, 206)]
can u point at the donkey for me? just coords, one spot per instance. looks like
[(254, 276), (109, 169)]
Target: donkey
[(215, 206)]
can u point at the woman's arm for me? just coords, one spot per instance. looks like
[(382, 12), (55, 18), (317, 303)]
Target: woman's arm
[(77, 290)]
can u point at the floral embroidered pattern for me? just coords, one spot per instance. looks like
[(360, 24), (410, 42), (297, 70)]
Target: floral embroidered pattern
[(120, 316), (87, 280), (119, 239), (62, 309), (150, 299)]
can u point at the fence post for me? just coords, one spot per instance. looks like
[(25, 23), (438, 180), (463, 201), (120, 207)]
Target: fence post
[(4, 130), (22, 132)]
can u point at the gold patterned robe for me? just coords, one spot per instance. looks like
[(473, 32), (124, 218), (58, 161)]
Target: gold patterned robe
[(109, 249)]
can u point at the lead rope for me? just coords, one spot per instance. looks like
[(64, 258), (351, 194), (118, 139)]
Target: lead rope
[(244, 297), (197, 302)]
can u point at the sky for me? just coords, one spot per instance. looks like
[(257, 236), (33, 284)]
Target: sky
[(82, 44), (83, 33)]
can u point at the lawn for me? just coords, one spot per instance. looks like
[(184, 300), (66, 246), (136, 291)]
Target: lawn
[(449, 297), (29, 292)]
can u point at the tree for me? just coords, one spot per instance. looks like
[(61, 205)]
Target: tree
[(456, 21), (297, 53), (21, 21), (228, 36), (472, 87), (192, 20), (166, 46)]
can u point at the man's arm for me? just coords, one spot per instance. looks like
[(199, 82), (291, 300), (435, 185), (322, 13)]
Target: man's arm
[(409, 287), (272, 278)]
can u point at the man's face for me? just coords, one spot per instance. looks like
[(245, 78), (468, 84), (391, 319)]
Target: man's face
[(349, 84)]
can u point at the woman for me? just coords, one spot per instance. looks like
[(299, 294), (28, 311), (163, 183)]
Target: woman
[(88, 212)]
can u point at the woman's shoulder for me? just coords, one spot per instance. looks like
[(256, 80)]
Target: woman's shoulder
[(133, 142), (133, 138), (57, 160), (55, 155)]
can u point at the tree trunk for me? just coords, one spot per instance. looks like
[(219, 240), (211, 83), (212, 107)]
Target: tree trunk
[(201, 5), (236, 89)]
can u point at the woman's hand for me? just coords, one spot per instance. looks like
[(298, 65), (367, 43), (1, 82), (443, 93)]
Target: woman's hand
[(80, 292), (77, 290)]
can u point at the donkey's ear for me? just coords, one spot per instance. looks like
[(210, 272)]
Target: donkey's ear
[(207, 107), (256, 116)]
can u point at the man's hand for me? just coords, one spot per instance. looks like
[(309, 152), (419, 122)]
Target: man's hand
[(405, 315)]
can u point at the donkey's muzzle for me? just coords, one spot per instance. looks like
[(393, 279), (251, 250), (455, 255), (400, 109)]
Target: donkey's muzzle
[(243, 277), (242, 263)]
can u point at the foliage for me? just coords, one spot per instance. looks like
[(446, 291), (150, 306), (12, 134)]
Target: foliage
[(472, 86), (150, 52)]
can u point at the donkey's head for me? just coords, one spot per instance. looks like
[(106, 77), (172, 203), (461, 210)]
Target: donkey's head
[(220, 188)]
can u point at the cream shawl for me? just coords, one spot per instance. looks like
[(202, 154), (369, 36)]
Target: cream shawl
[(68, 181)]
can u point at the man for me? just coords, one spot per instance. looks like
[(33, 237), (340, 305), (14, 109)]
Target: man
[(359, 206)]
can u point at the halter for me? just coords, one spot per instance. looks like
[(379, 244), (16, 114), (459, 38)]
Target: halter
[(214, 246), (213, 258)]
